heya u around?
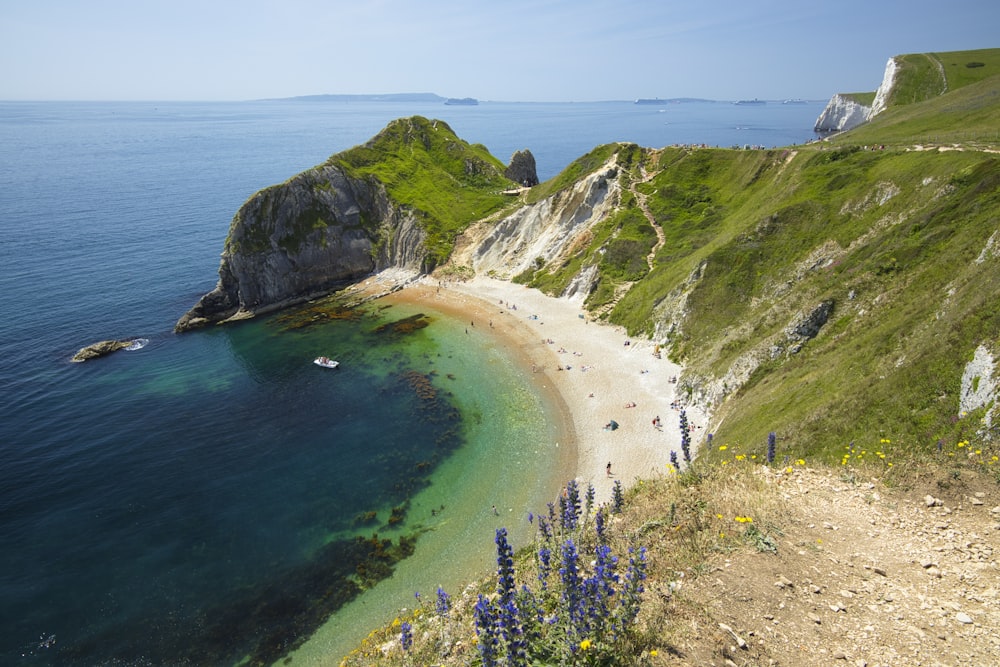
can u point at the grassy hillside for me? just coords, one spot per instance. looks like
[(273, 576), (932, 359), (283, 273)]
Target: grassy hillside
[(897, 244), (898, 248), (425, 166)]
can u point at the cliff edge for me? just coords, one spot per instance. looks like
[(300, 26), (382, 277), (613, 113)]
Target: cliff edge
[(398, 201)]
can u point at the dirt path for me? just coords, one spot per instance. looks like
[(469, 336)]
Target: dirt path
[(863, 576)]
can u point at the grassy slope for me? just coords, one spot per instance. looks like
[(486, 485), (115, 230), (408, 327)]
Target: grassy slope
[(425, 166), (903, 242), (890, 237)]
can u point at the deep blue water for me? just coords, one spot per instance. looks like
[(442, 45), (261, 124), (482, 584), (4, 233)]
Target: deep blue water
[(148, 500)]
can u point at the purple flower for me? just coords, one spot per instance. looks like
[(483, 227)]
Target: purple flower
[(505, 567), (617, 498), (443, 605), (406, 636)]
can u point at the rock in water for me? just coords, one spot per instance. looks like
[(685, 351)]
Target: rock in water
[(101, 349)]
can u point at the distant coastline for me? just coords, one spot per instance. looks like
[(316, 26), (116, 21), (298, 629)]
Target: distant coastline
[(390, 97)]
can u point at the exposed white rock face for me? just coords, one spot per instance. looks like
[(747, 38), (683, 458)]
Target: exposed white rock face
[(979, 385), (540, 233), (882, 94), (842, 114)]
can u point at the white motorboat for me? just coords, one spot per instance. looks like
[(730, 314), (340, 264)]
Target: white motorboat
[(326, 362)]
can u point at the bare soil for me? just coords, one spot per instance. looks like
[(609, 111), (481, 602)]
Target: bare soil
[(864, 575)]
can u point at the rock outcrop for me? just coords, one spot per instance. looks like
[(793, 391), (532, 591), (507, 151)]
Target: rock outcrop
[(100, 349), (884, 90), (841, 114), (301, 239), (522, 169), (541, 233)]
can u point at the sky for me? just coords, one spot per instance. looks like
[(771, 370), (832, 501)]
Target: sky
[(503, 50)]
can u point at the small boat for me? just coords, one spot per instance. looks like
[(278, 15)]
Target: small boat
[(326, 362)]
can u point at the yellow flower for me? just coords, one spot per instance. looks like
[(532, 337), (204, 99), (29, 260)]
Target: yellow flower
[(718, 516), (585, 645), (653, 653), (741, 457), (723, 448), (396, 622), (800, 462)]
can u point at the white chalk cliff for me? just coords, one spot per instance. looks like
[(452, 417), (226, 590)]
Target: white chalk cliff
[(842, 113)]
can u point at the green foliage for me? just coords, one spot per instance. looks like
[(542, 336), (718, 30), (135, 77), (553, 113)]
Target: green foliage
[(424, 166), (578, 169)]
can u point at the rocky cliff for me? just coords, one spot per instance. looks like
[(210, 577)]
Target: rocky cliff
[(541, 233), (398, 201), (303, 238), (841, 114)]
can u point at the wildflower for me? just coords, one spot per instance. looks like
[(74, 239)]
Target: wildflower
[(741, 457), (505, 567), (443, 605), (800, 462), (718, 516), (585, 645), (685, 437), (673, 460), (544, 565), (599, 524), (772, 439), (617, 498), (723, 448), (653, 653), (406, 636)]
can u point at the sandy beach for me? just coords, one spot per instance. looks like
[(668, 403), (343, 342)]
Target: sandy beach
[(594, 373)]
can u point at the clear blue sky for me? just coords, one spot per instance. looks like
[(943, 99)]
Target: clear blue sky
[(511, 50)]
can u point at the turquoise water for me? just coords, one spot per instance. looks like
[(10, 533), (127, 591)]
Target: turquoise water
[(197, 499)]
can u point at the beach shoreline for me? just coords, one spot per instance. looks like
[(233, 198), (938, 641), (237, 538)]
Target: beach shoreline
[(591, 373)]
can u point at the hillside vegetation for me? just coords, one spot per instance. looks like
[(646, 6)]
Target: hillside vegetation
[(891, 248), (836, 308), (426, 167)]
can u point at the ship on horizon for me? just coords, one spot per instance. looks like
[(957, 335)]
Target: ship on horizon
[(753, 102)]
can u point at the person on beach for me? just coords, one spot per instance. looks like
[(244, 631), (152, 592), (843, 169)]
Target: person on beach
[(609, 469)]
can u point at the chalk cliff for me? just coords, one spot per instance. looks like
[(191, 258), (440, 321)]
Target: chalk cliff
[(841, 114)]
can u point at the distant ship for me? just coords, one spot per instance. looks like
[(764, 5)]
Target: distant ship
[(752, 102), (646, 100), (794, 101), (462, 101)]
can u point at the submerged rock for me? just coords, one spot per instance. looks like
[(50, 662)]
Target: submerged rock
[(101, 349)]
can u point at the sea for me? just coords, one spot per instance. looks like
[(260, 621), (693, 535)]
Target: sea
[(214, 497)]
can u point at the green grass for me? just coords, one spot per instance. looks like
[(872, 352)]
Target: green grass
[(448, 182)]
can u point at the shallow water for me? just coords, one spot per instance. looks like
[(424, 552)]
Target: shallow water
[(177, 486)]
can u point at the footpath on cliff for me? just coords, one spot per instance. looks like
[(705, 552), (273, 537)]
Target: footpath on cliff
[(861, 575)]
